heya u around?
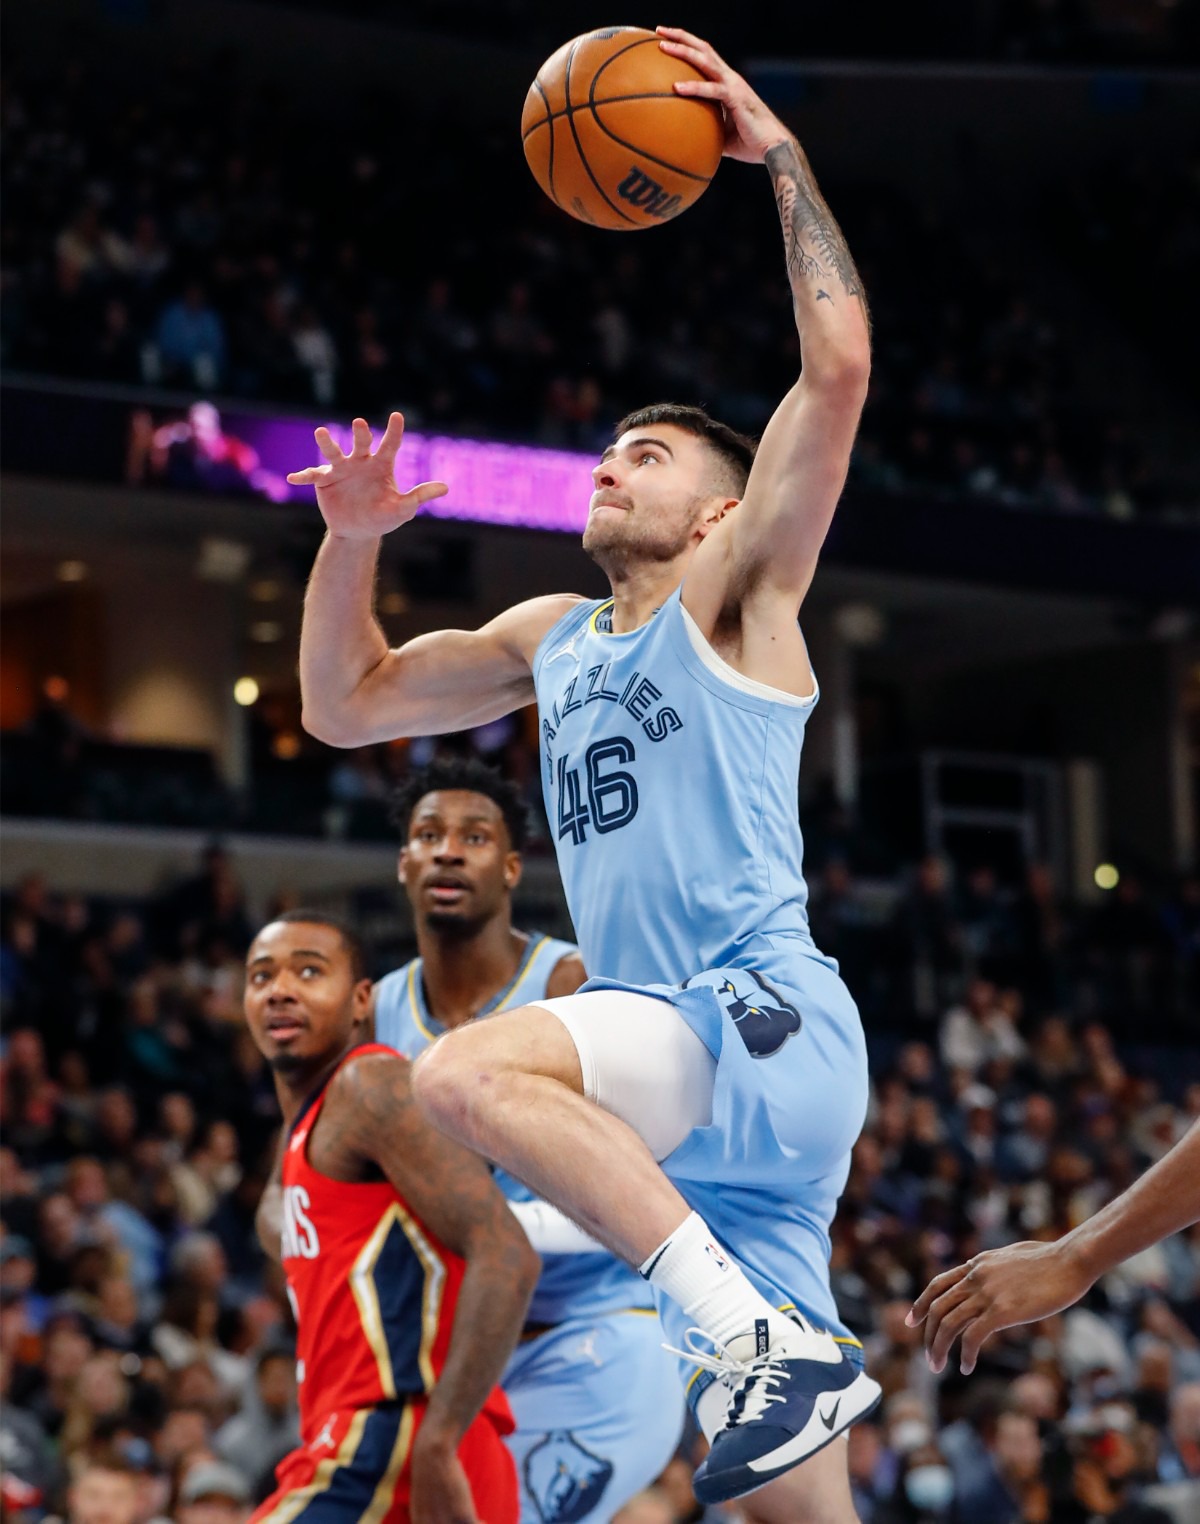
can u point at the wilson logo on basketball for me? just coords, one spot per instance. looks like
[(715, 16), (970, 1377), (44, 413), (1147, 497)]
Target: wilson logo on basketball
[(647, 195)]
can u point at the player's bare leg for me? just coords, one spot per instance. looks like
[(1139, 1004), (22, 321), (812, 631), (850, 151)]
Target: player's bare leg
[(817, 1492), (514, 1091)]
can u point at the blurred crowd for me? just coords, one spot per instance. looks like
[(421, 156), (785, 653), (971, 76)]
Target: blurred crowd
[(145, 1340), (1058, 31), (259, 252)]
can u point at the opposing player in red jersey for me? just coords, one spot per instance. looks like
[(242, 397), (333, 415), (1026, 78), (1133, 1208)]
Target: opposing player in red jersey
[(408, 1275)]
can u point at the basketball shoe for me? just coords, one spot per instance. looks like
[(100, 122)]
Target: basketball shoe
[(791, 1396)]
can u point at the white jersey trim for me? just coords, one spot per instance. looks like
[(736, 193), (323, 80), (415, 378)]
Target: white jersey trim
[(738, 680)]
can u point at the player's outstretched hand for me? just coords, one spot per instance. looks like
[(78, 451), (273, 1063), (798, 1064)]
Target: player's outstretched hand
[(751, 127), (357, 493), (998, 1289), (441, 1493)]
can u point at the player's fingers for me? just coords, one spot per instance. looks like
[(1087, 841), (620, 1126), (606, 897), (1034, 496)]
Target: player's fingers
[(425, 492), (950, 1325), (328, 446), (974, 1336), (944, 1305), (938, 1285), (309, 476), (709, 89), (699, 55), (362, 439), (393, 435), (678, 36)]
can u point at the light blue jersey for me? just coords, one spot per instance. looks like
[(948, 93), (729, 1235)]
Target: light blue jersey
[(671, 787), (672, 798), (595, 1396)]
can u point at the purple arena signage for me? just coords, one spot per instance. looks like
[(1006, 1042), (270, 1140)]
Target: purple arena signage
[(163, 441), (523, 486)]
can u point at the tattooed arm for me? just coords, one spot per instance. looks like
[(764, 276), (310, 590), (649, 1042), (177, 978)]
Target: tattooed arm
[(764, 553), (452, 1192)]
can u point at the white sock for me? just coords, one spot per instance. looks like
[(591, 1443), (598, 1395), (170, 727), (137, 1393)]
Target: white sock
[(694, 1270)]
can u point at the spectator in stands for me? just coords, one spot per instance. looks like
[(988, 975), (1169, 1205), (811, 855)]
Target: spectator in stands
[(928, 936), (1180, 1456), (25, 1449), (257, 1438), (190, 336), (104, 1492), (213, 1493)]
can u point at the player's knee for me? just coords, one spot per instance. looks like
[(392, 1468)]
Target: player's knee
[(449, 1082)]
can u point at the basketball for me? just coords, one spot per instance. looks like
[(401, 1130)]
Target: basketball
[(608, 139)]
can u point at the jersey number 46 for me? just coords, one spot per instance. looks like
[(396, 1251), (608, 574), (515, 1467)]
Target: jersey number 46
[(611, 793)]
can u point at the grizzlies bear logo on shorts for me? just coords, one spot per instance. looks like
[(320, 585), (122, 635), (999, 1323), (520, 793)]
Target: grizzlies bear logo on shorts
[(763, 1025), (565, 1481)]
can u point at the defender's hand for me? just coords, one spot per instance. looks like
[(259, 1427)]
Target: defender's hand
[(751, 128), (998, 1289), (357, 493), (441, 1493)]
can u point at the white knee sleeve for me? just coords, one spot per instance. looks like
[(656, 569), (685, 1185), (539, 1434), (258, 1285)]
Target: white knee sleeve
[(641, 1062)]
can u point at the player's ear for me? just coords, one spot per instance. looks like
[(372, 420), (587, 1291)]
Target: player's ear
[(402, 863), (717, 510), (512, 869), (363, 998)]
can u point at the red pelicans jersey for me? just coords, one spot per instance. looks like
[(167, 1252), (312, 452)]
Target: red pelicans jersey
[(373, 1291)]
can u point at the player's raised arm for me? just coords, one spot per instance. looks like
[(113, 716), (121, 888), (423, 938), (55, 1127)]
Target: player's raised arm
[(1028, 1281), (776, 532), (355, 689), (452, 1192)]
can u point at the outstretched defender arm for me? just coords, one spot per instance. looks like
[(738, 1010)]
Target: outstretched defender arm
[(1027, 1281), (776, 532)]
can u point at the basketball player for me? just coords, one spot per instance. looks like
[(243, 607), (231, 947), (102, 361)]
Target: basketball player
[(594, 1395), (408, 1276), (717, 1043), (1029, 1281)]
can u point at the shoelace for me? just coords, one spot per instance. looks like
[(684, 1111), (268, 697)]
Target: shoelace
[(752, 1381)]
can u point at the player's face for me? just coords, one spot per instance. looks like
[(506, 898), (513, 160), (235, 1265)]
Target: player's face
[(655, 496), (458, 866), (302, 1002)]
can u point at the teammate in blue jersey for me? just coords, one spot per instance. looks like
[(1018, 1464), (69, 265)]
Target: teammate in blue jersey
[(694, 1105), (595, 1397)]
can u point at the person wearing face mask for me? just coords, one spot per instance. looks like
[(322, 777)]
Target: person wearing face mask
[(924, 1492)]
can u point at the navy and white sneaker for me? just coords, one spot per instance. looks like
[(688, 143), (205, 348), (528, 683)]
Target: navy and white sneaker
[(792, 1395)]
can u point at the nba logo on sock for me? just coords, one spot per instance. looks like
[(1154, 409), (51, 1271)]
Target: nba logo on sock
[(714, 1253)]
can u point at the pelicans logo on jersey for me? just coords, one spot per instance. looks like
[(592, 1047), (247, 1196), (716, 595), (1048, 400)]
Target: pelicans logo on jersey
[(763, 1026), (565, 1481)]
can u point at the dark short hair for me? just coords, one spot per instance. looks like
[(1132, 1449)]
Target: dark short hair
[(351, 940), (735, 450), (470, 776)]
